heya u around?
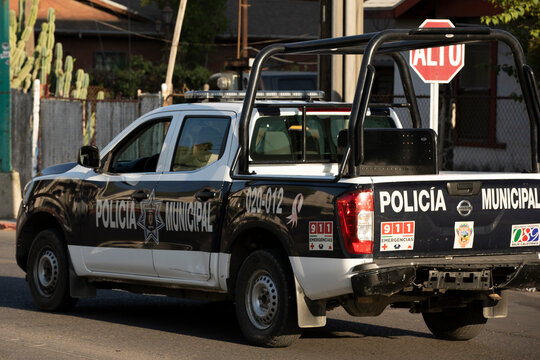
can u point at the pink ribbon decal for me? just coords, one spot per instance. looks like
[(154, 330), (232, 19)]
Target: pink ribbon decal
[(296, 207)]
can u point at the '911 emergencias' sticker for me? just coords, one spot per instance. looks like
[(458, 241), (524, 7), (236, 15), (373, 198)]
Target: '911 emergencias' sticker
[(397, 235), (321, 236)]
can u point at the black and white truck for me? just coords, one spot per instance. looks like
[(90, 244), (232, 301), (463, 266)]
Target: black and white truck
[(291, 206)]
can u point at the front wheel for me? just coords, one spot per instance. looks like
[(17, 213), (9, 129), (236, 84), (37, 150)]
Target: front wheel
[(456, 323), (47, 272), (265, 300)]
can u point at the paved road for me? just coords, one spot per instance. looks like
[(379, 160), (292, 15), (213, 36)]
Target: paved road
[(119, 325)]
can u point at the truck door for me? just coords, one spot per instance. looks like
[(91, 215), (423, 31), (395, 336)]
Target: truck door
[(191, 192), (123, 225)]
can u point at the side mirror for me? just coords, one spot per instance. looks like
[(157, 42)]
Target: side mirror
[(88, 156)]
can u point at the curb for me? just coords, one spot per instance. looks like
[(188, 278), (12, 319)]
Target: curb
[(7, 225)]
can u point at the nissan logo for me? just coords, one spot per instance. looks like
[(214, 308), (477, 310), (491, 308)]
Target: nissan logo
[(464, 208)]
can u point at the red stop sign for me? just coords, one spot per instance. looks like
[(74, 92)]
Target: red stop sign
[(438, 65)]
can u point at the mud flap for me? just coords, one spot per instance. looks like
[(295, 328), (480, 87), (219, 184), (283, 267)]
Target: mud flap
[(310, 313), (500, 310), (79, 287)]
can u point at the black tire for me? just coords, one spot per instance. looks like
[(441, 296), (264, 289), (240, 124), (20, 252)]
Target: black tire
[(266, 300), (48, 274), (457, 323)]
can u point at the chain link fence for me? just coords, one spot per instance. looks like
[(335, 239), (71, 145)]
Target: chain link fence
[(476, 133)]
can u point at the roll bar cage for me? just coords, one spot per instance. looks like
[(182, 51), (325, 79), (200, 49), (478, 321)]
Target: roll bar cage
[(388, 42)]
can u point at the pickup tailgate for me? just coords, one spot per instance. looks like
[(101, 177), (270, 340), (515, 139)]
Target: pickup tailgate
[(459, 216)]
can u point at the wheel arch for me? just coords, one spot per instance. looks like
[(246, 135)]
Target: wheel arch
[(38, 221), (250, 239)]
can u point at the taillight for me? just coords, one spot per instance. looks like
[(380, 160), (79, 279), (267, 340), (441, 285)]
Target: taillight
[(355, 211)]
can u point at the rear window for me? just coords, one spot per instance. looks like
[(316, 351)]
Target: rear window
[(281, 138)]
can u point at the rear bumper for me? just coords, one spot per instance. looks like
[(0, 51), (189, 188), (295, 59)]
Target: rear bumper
[(389, 276), (460, 261), (382, 281), (526, 276)]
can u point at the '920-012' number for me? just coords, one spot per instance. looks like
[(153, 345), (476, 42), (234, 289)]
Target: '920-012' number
[(269, 201)]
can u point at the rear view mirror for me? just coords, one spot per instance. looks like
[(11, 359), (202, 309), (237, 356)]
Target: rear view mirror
[(88, 156)]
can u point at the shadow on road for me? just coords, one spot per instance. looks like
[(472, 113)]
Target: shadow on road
[(351, 329), (216, 321)]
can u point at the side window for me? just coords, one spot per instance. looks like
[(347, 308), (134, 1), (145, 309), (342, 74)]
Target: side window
[(281, 138), (140, 152), (201, 142)]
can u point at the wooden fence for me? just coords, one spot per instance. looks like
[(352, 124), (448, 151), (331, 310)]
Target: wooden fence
[(63, 124)]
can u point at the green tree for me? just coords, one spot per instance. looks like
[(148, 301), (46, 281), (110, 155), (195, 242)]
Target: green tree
[(143, 74), (203, 20), (521, 18)]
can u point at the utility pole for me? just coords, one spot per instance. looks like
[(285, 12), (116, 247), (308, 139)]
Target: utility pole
[(241, 62), (325, 62), (245, 6), (172, 55), (347, 20), (10, 185)]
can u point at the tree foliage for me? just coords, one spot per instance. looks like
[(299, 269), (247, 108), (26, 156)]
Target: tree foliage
[(203, 20), (143, 74), (521, 18)]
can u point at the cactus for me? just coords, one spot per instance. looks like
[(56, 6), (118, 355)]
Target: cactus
[(25, 35), (12, 41), (47, 44), (78, 84), (27, 82), (58, 72), (20, 30), (90, 129), (84, 89), (68, 73), (20, 23), (25, 69), (23, 73), (81, 85), (37, 54)]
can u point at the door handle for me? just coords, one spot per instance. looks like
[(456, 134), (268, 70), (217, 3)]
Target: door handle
[(464, 188), (141, 194), (205, 195)]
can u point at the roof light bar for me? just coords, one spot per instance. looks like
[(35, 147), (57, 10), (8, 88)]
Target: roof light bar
[(220, 95)]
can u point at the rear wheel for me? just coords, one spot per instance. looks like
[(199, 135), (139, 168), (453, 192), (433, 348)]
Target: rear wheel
[(47, 272), (265, 300), (457, 323)]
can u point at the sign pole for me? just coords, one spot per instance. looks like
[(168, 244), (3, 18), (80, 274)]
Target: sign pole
[(10, 184), (437, 65), (434, 107), (5, 102)]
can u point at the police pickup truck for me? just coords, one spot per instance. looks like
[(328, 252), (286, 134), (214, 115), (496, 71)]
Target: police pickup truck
[(291, 206)]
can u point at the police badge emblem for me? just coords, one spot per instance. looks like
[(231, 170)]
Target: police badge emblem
[(464, 235), (150, 219)]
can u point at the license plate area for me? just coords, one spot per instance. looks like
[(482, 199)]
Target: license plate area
[(459, 280)]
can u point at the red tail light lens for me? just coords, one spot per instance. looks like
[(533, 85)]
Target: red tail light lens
[(355, 212)]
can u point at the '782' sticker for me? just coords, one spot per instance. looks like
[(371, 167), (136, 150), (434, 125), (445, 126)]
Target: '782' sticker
[(397, 235), (525, 235)]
